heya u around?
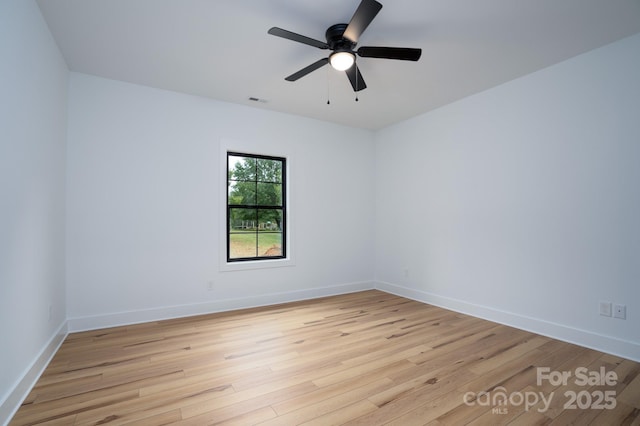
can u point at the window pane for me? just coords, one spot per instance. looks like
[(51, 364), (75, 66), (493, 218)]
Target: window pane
[(269, 194), (269, 170), (242, 193), (270, 220), (242, 168), (242, 244), (269, 243), (242, 220)]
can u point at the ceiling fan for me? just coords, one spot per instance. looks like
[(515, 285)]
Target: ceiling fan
[(342, 40)]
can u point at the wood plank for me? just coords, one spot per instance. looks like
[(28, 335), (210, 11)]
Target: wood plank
[(244, 407), (631, 393), (338, 401)]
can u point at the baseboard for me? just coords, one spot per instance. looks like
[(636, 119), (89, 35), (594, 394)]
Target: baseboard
[(10, 405), (224, 305), (585, 338)]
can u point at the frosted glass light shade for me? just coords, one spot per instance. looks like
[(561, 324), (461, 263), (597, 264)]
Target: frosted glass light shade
[(342, 61)]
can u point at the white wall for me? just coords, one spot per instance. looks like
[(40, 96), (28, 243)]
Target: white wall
[(521, 204), (33, 86), (144, 204)]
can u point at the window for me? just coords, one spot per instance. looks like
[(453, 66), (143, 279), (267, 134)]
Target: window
[(256, 207)]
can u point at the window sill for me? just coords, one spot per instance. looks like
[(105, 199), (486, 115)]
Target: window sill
[(255, 264)]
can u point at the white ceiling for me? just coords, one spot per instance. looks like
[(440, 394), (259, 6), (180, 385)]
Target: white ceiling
[(220, 48)]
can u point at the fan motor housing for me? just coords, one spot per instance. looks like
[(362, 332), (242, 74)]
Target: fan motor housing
[(335, 38)]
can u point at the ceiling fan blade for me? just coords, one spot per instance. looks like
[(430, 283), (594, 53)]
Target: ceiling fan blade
[(279, 32), (357, 82), (306, 70), (361, 19), (401, 53)]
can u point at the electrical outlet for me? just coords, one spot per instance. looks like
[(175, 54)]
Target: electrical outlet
[(605, 309), (210, 285), (50, 312), (405, 271), (620, 311)]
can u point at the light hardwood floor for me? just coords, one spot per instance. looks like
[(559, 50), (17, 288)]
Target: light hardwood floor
[(366, 358)]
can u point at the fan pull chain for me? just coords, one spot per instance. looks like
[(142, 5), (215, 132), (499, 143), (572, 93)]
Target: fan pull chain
[(356, 67), (328, 87)]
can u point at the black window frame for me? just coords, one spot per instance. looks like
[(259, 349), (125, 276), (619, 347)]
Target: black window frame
[(257, 208)]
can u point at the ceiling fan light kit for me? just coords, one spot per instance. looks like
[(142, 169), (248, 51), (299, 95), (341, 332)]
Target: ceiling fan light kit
[(342, 40), (342, 61)]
